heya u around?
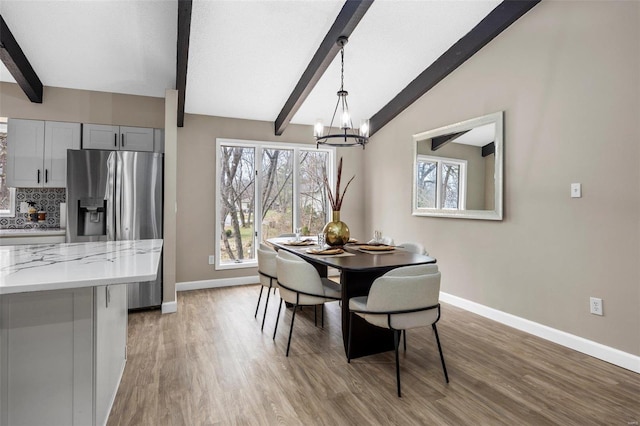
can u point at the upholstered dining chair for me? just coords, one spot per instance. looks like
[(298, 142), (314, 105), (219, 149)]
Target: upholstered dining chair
[(268, 276), (414, 248), (300, 285), (403, 298)]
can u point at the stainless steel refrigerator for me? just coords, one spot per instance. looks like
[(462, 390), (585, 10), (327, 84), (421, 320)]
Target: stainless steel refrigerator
[(117, 195)]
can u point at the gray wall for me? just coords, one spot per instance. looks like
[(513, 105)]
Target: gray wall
[(567, 76)]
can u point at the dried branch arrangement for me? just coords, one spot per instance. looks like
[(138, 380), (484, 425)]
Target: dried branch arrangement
[(336, 200)]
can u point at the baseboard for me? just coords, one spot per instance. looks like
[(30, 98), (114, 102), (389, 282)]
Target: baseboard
[(170, 307), (580, 344), (220, 282)]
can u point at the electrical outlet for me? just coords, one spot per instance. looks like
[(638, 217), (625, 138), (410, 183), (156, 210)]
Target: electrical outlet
[(595, 305), (212, 260)]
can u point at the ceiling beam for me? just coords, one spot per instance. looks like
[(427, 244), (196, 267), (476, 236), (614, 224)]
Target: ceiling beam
[(18, 65), (440, 141), (489, 149), (499, 19), (347, 20), (184, 29)]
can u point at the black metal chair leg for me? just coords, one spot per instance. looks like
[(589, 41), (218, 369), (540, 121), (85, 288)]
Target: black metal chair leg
[(396, 341), (264, 316), (404, 336), (293, 317), (349, 338), (444, 367), (259, 297), (277, 319)]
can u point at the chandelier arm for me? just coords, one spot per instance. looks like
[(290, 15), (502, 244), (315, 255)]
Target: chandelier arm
[(334, 114)]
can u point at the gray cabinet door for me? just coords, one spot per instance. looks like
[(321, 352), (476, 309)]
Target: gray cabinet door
[(25, 146), (58, 138), (136, 139), (100, 136)]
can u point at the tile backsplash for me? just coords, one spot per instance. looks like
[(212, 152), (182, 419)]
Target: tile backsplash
[(46, 199)]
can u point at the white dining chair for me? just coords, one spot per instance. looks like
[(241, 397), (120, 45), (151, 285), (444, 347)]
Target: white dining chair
[(402, 299), (268, 276), (414, 248), (300, 285)]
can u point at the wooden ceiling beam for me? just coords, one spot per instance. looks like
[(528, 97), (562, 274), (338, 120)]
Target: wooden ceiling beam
[(18, 65), (499, 19), (347, 20), (184, 29)]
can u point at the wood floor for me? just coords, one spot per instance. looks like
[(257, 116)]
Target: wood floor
[(209, 364)]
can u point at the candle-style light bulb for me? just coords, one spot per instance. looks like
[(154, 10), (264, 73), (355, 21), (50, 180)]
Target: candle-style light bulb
[(318, 129), (346, 120), (364, 128)]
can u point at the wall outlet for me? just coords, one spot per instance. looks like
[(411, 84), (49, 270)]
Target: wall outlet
[(212, 260), (595, 305), (24, 207)]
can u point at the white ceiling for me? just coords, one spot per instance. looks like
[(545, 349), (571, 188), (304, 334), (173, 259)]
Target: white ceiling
[(245, 57)]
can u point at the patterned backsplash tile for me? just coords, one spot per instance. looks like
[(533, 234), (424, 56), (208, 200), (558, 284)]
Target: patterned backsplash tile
[(46, 199)]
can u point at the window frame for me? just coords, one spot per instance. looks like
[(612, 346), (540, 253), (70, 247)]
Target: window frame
[(259, 147), (462, 181)]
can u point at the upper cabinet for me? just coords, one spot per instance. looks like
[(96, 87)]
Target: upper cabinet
[(37, 152), (99, 136)]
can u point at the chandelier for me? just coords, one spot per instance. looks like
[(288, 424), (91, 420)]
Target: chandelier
[(348, 135)]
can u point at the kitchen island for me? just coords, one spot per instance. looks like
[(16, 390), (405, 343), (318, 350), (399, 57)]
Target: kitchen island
[(63, 327)]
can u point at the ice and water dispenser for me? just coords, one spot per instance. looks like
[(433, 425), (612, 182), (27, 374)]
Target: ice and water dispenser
[(92, 217)]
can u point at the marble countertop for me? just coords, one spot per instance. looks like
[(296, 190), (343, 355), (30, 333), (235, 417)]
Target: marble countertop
[(41, 267), (31, 232)]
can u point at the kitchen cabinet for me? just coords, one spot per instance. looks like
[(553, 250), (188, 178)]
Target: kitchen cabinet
[(37, 152), (100, 136), (72, 343)]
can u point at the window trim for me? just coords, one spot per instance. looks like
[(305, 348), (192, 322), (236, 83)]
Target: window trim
[(11, 211), (259, 146), (462, 185)]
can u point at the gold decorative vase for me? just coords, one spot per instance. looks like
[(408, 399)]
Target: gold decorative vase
[(336, 232)]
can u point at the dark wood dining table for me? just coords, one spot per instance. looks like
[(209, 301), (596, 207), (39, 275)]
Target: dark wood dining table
[(357, 274)]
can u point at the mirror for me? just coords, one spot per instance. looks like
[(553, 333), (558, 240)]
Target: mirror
[(457, 169)]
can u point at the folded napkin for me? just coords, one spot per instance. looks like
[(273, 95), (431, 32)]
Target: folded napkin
[(306, 242), (377, 247), (325, 251)]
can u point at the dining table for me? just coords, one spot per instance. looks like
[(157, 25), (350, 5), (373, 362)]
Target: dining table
[(358, 270)]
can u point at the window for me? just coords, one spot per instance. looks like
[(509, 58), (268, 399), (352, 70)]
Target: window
[(441, 183), (7, 195), (264, 190)]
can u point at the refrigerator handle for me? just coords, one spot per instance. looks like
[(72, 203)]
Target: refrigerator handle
[(118, 195), (109, 196)]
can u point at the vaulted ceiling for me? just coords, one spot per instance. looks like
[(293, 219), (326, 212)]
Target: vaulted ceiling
[(245, 57)]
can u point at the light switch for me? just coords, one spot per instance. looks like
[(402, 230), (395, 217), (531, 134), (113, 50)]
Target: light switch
[(576, 190), (24, 207)]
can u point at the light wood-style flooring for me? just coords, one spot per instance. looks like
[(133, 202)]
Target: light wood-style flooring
[(209, 364)]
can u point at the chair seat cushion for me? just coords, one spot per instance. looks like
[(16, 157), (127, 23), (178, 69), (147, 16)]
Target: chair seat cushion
[(358, 303)]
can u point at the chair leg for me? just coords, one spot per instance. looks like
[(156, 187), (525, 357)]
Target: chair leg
[(404, 336), (264, 316), (293, 317), (349, 338), (259, 297), (444, 367), (277, 319), (396, 341)]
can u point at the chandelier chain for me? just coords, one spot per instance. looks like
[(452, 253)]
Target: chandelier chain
[(342, 69)]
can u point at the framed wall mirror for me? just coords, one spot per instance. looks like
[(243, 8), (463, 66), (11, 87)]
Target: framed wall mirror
[(457, 169)]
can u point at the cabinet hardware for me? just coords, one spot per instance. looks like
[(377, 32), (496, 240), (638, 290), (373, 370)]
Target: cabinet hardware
[(107, 296), (123, 140), (115, 140), (46, 175), (38, 175)]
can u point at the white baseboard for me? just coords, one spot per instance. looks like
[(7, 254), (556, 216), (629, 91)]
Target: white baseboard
[(580, 344), (170, 307), (221, 282)]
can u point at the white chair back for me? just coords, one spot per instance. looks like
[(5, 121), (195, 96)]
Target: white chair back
[(297, 274), (402, 289), (414, 248), (267, 265)]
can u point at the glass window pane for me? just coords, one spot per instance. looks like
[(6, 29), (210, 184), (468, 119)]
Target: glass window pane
[(313, 195), (237, 180), (450, 186), (427, 180), (277, 192)]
